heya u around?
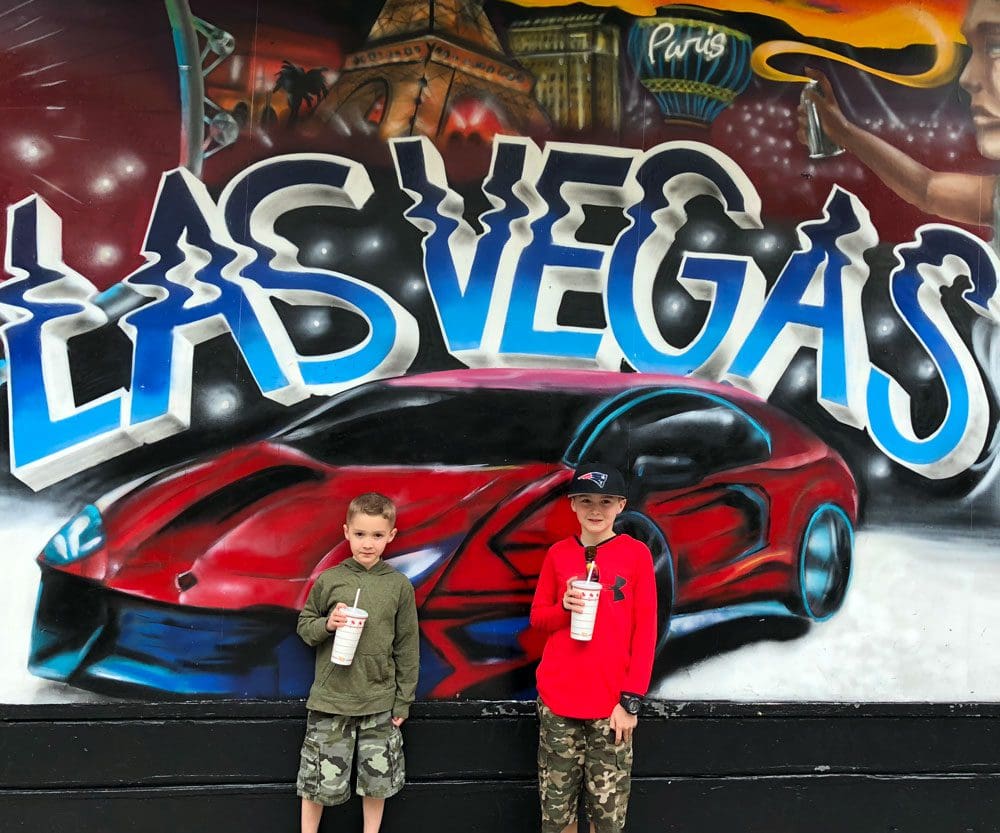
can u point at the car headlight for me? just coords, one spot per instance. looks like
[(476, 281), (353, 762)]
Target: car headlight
[(416, 565), (78, 538)]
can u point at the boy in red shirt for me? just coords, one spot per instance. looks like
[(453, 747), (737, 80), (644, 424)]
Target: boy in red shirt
[(589, 693)]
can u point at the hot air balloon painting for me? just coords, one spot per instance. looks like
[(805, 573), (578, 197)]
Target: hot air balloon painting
[(694, 68)]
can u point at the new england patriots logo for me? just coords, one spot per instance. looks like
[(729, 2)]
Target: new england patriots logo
[(600, 478)]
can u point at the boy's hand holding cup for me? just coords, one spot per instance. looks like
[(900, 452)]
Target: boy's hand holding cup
[(573, 598), (337, 617)]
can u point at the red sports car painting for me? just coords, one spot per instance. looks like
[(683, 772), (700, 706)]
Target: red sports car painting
[(188, 583)]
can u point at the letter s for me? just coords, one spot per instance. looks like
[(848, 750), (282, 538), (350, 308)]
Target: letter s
[(939, 256)]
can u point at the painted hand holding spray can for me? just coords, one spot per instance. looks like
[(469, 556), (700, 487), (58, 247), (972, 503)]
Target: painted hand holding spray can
[(821, 146)]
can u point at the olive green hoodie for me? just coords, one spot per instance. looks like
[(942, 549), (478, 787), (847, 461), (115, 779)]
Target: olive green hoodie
[(383, 676)]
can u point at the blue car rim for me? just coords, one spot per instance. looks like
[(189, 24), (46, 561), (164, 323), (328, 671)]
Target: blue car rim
[(825, 561)]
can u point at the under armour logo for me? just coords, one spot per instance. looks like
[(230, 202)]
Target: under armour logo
[(619, 584)]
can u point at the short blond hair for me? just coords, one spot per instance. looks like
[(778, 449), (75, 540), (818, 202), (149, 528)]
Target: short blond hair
[(374, 504)]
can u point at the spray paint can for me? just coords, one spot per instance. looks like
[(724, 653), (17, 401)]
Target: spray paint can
[(821, 146)]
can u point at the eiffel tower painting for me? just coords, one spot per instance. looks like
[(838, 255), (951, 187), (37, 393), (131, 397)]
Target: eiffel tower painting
[(434, 68)]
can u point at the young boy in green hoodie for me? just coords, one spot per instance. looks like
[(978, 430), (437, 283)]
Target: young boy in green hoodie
[(366, 702)]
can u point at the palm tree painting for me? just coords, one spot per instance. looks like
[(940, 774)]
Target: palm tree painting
[(300, 85)]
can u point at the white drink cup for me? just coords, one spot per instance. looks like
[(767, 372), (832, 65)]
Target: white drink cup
[(345, 641), (581, 625)]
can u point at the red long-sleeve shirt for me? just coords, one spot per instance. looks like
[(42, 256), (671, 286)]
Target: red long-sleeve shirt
[(584, 680)]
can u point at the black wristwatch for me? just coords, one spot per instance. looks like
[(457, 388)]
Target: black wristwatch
[(630, 702)]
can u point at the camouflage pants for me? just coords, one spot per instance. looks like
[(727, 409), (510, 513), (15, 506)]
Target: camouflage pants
[(574, 752), (328, 752)]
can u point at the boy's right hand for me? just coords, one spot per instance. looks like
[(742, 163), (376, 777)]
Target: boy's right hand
[(337, 617), (572, 598)]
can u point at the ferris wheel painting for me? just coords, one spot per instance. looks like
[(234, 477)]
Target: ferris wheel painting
[(694, 67), (105, 99)]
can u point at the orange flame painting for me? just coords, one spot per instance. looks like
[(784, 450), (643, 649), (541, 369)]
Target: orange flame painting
[(860, 23)]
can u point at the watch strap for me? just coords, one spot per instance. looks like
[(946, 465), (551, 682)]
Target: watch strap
[(630, 702)]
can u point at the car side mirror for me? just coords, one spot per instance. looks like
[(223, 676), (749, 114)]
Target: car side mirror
[(667, 472)]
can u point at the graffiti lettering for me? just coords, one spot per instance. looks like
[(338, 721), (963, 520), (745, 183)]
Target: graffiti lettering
[(817, 302), (711, 45), (939, 256), (252, 203), (202, 283), (45, 304), (746, 339), (193, 300), (214, 269), (664, 182), (463, 288)]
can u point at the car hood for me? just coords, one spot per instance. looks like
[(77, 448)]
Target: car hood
[(252, 526)]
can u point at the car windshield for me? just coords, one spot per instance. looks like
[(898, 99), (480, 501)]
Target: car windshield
[(669, 427), (384, 424)]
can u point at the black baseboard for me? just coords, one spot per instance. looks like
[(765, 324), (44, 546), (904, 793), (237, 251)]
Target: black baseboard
[(700, 768)]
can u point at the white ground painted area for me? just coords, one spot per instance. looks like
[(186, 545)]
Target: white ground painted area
[(921, 623), (24, 529)]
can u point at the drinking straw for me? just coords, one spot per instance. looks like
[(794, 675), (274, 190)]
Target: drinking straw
[(356, 597), (590, 570)]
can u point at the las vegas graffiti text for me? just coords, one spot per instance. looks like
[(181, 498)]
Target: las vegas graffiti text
[(213, 266)]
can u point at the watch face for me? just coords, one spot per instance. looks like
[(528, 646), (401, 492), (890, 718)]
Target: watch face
[(632, 705)]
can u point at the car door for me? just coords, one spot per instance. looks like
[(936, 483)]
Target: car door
[(690, 459)]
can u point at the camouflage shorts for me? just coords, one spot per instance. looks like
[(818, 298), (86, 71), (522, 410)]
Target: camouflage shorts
[(574, 752), (328, 753)]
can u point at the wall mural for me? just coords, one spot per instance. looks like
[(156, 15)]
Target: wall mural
[(262, 257)]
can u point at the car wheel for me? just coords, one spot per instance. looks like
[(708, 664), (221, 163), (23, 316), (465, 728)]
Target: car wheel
[(824, 563), (644, 529)]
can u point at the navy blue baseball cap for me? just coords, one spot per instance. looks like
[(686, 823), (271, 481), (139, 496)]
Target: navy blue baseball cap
[(597, 479)]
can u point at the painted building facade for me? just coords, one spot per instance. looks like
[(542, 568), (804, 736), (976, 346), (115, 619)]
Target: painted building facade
[(257, 261)]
